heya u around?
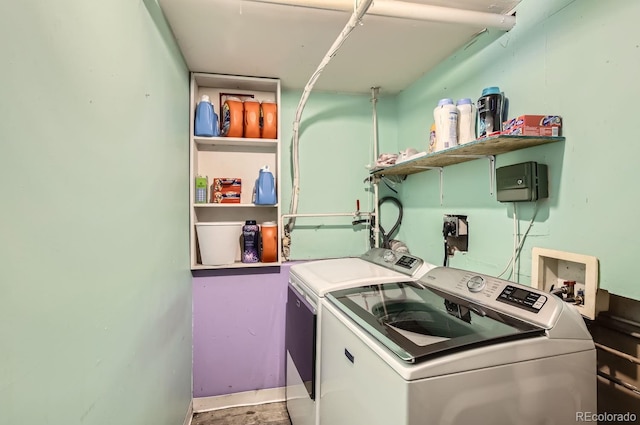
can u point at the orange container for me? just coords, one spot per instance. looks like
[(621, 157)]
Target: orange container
[(269, 233), (252, 118), (232, 118), (268, 120)]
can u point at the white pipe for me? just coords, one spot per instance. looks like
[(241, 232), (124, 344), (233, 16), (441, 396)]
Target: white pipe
[(357, 15), (374, 101), (376, 228), (285, 216), (376, 214), (408, 10), (351, 214)]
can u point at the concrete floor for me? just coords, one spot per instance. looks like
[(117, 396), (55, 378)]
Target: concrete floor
[(263, 414)]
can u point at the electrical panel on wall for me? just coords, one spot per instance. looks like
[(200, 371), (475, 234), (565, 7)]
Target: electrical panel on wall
[(522, 182)]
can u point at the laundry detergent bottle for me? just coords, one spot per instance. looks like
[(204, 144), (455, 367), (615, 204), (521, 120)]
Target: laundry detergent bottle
[(491, 111), (206, 122), (265, 191), (232, 124), (250, 242), (251, 118)]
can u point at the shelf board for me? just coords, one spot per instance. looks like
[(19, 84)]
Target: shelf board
[(236, 265), (494, 145), (211, 205), (236, 82), (235, 141)]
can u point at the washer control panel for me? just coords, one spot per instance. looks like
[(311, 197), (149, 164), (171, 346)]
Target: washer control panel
[(488, 292), (522, 298), (399, 261)]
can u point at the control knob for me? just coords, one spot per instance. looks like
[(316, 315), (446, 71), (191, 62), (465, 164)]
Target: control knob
[(476, 284), (389, 256)]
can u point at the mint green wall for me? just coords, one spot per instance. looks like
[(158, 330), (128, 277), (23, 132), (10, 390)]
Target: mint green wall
[(95, 290), (579, 59), (336, 143)]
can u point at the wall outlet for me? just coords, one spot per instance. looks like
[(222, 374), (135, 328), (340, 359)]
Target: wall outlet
[(455, 230)]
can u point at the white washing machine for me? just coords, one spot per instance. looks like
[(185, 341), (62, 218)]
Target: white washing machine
[(308, 284), (453, 348)]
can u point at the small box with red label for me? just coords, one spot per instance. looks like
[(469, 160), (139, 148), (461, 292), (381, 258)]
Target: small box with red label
[(226, 184), (533, 125), (225, 197)]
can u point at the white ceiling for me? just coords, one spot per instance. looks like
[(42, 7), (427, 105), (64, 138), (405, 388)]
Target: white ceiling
[(241, 37)]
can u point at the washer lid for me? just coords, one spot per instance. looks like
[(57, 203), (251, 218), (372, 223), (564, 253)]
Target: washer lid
[(417, 322), (329, 275)]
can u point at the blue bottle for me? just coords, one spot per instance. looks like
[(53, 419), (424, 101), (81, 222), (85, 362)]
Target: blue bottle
[(206, 124), (265, 188)]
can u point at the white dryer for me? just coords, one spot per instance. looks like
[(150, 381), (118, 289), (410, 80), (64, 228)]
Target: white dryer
[(454, 348), (308, 284)]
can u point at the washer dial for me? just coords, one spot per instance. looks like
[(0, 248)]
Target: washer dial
[(476, 284), (389, 256)]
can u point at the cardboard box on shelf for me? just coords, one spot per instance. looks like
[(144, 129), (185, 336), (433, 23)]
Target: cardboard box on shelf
[(225, 197), (226, 184), (533, 125)]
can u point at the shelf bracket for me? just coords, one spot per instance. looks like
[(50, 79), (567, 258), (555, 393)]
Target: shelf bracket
[(441, 169), (492, 167)]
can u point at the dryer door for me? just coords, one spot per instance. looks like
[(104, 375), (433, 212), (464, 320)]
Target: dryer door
[(300, 338)]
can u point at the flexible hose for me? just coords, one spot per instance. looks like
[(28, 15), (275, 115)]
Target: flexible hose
[(386, 237)]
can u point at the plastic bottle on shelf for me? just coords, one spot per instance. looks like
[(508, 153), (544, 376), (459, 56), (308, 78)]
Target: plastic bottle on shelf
[(202, 184), (466, 121), (265, 191), (232, 117), (251, 118), (432, 138), (269, 245), (250, 242), (206, 123), (268, 120), (492, 111), (446, 118)]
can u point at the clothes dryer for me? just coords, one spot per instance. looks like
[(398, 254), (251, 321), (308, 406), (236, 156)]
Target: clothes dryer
[(308, 284)]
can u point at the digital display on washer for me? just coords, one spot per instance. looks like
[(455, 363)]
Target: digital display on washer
[(406, 262), (522, 298)]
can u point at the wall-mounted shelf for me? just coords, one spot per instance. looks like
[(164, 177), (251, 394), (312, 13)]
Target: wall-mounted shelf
[(214, 205), (235, 142), (231, 157), (486, 147)]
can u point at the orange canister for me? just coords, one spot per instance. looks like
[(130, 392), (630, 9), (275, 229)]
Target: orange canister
[(251, 118), (268, 119), (269, 233), (232, 118)]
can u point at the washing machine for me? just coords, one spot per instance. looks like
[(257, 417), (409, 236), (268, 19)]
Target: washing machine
[(308, 284), (453, 348)]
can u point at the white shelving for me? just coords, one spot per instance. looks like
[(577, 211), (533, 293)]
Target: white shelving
[(232, 157)]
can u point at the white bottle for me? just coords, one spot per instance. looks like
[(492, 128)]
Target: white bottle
[(446, 118), (466, 121)]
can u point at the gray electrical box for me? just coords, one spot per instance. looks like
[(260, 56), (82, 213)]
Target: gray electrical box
[(526, 181)]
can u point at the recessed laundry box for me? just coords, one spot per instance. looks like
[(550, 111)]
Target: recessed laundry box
[(219, 242)]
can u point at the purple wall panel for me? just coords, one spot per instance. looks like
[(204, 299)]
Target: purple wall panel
[(238, 330)]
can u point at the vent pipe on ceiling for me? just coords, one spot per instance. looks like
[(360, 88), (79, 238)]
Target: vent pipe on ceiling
[(408, 10)]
